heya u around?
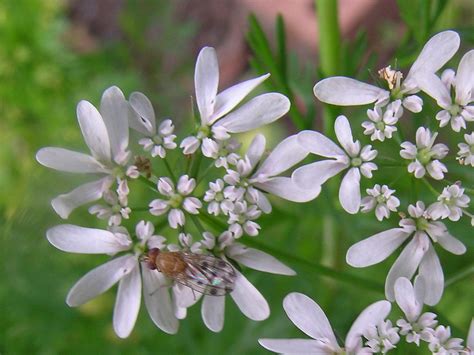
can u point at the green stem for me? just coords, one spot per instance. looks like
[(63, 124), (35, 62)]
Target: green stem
[(151, 184), (320, 269), (430, 187), (170, 171), (193, 168), (323, 270), (329, 49), (460, 275), (197, 223)]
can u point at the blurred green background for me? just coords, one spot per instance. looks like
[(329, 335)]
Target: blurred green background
[(52, 55)]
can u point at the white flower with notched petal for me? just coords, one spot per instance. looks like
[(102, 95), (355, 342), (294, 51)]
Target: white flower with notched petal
[(255, 175), (178, 200), (249, 300), (116, 208), (466, 150), (415, 326), (381, 338), (157, 139), (311, 320), (344, 91), (351, 157), (382, 199), (382, 124), (212, 106), (441, 342), (124, 269), (106, 135), (418, 254), (450, 203), (425, 155), (459, 107)]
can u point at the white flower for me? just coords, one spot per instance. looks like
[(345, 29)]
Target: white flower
[(123, 269), (106, 135), (470, 339), (241, 219), (466, 150), (381, 338), (415, 326), (457, 108), (142, 119), (217, 202), (247, 298), (418, 254), (351, 157), (450, 203), (425, 155), (212, 106), (344, 91), (382, 124), (311, 320), (116, 209), (177, 200), (382, 200), (222, 151), (254, 174), (441, 342)]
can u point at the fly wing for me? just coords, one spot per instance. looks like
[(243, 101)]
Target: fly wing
[(207, 274)]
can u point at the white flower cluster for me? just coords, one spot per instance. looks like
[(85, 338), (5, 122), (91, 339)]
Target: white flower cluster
[(177, 271), (234, 201), (422, 228)]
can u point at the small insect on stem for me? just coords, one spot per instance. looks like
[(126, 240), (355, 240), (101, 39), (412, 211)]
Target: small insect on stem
[(203, 273)]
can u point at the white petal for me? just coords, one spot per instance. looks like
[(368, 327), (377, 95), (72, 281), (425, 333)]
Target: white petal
[(114, 110), (64, 204), (206, 80), (319, 144), (249, 300), (349, 192), (406, 263), (100, 279), (434, 87), (75, 239), (317, 173), (309, 317), (406, 298), (258, 260), (436, 53), (295, 346), (344, 133), (287, 189), (212, 312), (68, 160), (376, 248), (432, 273), (256, 150), (94, 131), (371, 316), (231, 97), (451, 244), (286, 154), (127, 304), (470, 336), (144, 121), (158, 300), (259, 111), (342, 91), (465, 79)]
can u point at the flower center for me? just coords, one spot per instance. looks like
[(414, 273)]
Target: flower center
[(381, 199), (157, 139), (424, 156), (356, 162), (116, 208), (118, 173), (175, 200), (219, 197), (203, 132), (422, 224), (380, 126), (454, 110)]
